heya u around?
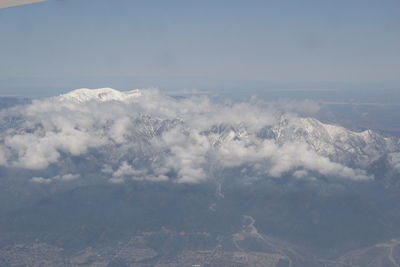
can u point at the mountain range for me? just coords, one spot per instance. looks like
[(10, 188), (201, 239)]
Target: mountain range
[(139, 178)]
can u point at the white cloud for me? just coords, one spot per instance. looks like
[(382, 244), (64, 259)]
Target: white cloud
[(125, 170), (66, 177), (41, 180)]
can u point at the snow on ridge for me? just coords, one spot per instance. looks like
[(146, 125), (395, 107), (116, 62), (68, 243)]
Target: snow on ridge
[(102, 95)]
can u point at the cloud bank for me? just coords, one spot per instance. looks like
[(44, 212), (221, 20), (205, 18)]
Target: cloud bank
[(146, 135)]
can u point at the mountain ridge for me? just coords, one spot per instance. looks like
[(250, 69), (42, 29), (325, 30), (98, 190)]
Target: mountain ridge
[(166, 138)]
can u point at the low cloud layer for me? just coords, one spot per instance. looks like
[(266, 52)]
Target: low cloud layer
[(145, 135)]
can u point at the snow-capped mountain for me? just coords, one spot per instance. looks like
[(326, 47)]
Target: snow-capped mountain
[(336, 142), (101, 94), (146, 135)]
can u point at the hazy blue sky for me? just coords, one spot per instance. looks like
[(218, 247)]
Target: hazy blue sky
[(79, 42)]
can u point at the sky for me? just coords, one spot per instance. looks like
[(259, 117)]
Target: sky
[(57, 45)]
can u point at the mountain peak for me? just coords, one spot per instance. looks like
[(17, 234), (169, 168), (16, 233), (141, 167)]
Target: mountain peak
[(101, 95)]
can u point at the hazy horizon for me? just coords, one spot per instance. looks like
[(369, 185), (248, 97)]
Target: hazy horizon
[(62, 45)]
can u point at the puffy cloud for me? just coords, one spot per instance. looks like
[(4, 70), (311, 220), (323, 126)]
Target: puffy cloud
[(145, 135), (65, 177), (124, 170), (276, 160), (40, 180)]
